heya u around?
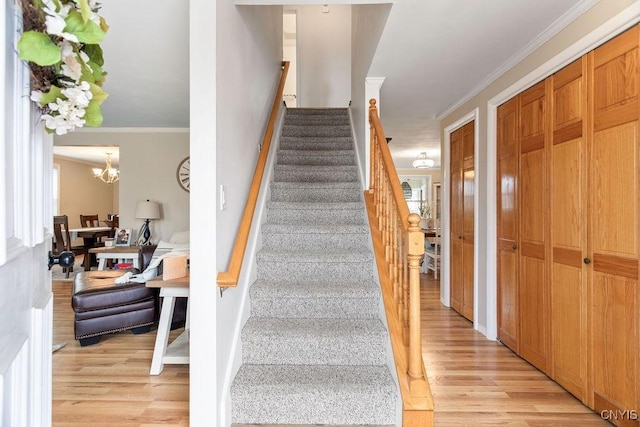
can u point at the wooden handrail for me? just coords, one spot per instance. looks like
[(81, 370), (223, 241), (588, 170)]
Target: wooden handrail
[(229, 278), (398, 243)]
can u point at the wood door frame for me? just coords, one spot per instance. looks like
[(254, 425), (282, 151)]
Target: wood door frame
[(616, 25), (445, 214)]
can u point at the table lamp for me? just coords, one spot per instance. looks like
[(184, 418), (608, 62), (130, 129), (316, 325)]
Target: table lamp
[(147, 211)]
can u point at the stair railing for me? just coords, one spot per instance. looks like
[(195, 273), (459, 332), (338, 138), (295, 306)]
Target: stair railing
[(398, 243), (229, 278)]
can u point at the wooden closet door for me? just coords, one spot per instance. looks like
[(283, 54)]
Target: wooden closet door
[(614, 230), (507, 210), (468, 190), (456, 212), (533, 211), (569, 229)]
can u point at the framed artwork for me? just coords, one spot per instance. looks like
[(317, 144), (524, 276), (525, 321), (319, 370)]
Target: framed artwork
[(123, 237)]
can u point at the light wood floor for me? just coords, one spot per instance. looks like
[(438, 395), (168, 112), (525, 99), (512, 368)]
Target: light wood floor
[(473, 381)]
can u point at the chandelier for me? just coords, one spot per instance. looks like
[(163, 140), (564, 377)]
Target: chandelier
[(108, 174), (423, 162)]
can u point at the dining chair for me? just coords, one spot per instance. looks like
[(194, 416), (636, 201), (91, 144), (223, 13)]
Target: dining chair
[(89, 221), (62, 239)]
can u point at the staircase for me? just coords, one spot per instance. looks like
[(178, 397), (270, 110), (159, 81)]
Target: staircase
[(314, 350)]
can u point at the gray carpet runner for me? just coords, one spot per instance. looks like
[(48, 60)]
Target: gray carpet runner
[(314, 350)]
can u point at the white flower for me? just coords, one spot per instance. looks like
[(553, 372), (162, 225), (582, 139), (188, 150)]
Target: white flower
[(77, 96), (36, 96), (71, 67), (55, 20)]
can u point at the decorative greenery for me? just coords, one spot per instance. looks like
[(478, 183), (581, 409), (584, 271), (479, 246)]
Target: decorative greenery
[(60, 43)]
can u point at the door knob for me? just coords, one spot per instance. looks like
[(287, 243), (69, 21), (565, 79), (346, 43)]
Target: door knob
[(587, 261), (63, 259), (515, 247)]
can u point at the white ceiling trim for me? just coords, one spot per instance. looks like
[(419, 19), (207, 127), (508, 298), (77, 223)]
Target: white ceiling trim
[(561, 23)]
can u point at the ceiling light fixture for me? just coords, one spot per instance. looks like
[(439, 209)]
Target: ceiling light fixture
[(325, 8), (423, 162), (108, 174)]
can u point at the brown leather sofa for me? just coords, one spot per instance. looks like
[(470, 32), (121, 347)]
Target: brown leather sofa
[(102, 307)]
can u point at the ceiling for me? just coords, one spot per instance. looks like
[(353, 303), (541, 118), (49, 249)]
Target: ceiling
[(432, 53)]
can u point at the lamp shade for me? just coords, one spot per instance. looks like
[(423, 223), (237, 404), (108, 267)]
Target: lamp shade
[(148, 210)]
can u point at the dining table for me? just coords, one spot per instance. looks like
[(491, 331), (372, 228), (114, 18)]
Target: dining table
[(90, 236)]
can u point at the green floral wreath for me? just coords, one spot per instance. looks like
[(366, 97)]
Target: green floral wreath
[(60, 43)]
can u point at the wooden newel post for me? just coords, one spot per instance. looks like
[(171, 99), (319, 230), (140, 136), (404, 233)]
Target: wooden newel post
[(415, 251), (372, 141)]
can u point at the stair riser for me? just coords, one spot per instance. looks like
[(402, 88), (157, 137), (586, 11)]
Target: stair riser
[(312, 271), (315, 195), (315, 241), (315, 131), (316, 120), (295, 143), (302, 175), (314, 308), (311, 216), (345, 350), (328, 160)]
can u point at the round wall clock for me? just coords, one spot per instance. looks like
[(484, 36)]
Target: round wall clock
[(183, 174)]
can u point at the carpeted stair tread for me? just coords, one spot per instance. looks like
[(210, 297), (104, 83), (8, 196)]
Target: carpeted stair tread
[(317, 130), (286, 289), (337, 341), (317, 111), (314, 257), (316, 205), (313, 394), (316, 143), (315, 173), (316, 119), (315, 300), (269, 228)]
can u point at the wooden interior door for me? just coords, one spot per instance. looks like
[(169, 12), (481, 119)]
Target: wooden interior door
[(468, 196), (507, 210), (456, 213), (568, 282), (614, 229), (532, 191)]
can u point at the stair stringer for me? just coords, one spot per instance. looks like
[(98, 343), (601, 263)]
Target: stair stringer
[(248, 274)]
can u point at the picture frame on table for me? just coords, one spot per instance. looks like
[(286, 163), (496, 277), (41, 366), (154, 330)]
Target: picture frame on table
[(123, 237)]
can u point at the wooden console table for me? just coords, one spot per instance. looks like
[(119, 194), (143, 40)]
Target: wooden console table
[(124, 253), (178, 351)]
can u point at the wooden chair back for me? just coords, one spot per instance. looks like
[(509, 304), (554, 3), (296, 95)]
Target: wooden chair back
[(89, 221), (114, 220), (62, 239)]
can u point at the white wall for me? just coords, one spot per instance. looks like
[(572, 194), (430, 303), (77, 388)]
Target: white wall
[(324, 60), (367, 24), (248, 71), (148, 163)]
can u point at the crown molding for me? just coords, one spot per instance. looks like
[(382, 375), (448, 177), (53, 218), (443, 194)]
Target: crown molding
[(552, 30)]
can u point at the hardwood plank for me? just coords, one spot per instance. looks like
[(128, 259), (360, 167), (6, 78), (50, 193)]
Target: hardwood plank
[(108, 383), (475, 381)]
